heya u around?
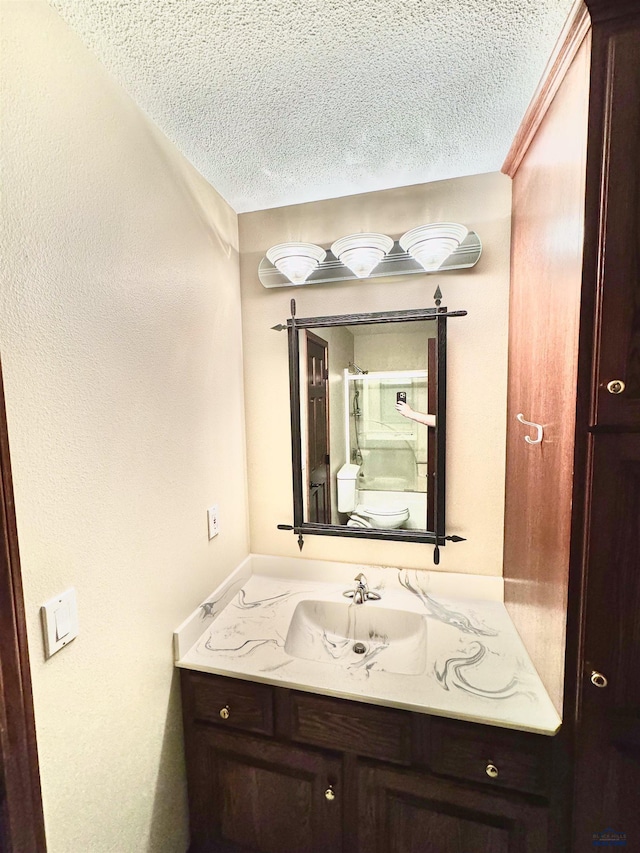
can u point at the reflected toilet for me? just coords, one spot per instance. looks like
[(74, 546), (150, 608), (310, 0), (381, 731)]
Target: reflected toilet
[(388, 515)]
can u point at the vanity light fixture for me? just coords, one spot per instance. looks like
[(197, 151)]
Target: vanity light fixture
[(362, 252), (435, 248), (431, 245), (296, 260)]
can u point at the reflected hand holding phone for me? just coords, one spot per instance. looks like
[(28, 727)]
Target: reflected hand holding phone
[(407, 412)]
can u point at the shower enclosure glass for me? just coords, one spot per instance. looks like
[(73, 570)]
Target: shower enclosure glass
[(391, 449)]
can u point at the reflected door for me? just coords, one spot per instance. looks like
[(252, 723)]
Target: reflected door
[(319, 503), (432, 396)]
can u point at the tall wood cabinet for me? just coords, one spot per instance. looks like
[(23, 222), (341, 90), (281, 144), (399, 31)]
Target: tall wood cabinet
[(608, 726), (607, 768), (572, 540)]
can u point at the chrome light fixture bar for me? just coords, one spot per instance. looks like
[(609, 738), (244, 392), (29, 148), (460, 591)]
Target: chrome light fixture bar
[(397, 260)]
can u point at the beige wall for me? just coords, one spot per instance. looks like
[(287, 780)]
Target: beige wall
[(477, 362), (395, 350), (120, 337)]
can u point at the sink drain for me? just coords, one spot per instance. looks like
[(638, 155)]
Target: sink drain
[(359, 648)]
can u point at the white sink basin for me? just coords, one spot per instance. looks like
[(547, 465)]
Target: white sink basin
[(328, 631)]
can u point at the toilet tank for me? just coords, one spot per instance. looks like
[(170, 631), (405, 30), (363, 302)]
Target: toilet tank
[(347, 477)]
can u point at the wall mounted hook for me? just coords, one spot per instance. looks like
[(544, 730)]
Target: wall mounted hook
[(537, 427)]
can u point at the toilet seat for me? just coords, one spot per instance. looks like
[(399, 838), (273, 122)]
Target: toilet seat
[(387, 510), (390, 516)]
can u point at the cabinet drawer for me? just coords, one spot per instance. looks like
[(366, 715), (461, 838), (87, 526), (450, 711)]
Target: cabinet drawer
[(228, 702), (496, 757), (367, 730)]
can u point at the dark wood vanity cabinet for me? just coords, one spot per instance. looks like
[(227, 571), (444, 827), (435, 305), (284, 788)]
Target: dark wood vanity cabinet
[(414, 813), (247, 793), (272, 770)]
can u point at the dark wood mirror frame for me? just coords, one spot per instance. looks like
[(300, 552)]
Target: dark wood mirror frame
[(437, 536)]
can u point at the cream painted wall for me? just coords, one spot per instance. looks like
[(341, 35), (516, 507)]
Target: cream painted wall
[(477, 362), (395, 350), (121, 345)]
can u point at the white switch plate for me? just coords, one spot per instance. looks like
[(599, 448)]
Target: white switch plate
[(59, 621), (213, 521)]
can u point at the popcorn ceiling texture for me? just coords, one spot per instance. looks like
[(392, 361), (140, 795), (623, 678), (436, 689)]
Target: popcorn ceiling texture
[(279, 102)]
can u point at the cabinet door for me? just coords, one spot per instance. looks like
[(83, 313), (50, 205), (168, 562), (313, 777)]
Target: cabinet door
[(403, 812), (248, 794), (608, 754), (613, 202)]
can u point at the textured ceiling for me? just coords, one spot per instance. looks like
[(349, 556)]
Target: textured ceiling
[(284, 101)]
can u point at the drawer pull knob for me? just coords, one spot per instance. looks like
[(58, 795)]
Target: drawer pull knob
[(598, 679), (330, 794), (224, 712), (616, 386), (492, 771)]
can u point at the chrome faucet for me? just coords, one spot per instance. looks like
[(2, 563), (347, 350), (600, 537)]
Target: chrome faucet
[(362, 592)]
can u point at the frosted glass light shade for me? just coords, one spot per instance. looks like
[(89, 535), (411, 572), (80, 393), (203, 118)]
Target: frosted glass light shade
[(296, 260), (362, 252), (431, 245)]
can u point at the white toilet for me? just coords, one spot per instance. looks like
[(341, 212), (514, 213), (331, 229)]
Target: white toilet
[(387, 515)]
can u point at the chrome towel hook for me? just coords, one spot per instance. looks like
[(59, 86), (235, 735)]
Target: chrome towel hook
[(537, 427)]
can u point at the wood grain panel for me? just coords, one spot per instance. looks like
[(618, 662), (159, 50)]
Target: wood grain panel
[(546, 271), (608, 754), (569, 42), (615, 161), (401, 812), (249, 705), (22, 821), (259, 795), (383, 733), (603, 11), (463, 751)]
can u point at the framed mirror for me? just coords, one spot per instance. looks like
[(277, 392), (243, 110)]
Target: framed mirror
[(368, 425)]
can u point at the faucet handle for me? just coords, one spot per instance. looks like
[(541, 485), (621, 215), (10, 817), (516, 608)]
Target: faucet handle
[(361, 579)]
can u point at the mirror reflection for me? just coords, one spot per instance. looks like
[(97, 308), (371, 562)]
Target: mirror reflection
[(368, 398)]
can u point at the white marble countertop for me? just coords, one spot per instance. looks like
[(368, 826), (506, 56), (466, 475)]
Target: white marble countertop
[(475, 667)]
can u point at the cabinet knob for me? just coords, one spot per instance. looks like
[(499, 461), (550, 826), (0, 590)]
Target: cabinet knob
[(330, 794), (616, 386), (492, 771), (598, 679), (224, 712)]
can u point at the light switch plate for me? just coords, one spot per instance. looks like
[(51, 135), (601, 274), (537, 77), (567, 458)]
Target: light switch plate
[(213, 521), (59, 621)]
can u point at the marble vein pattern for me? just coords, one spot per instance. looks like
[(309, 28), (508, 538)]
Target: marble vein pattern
[(210, 609), (438, 610), (441, 654), (453, 674)]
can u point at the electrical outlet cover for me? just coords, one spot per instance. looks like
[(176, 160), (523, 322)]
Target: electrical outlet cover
[(213, 521)]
